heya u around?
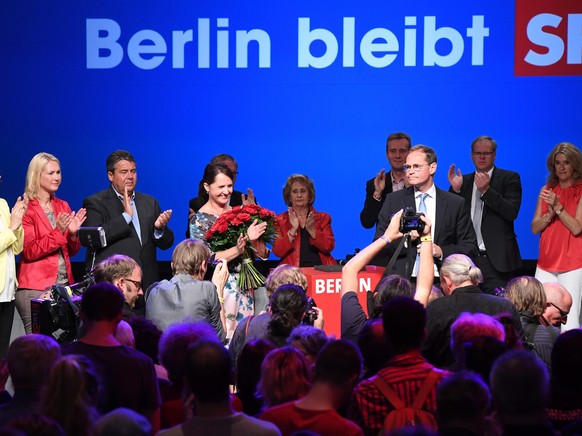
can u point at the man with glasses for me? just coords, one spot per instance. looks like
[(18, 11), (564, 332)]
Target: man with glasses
[(492, 199), (124, 273), (558, 304), (451, 231), (397, 147)]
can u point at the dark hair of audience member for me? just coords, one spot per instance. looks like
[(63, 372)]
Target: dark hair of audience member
[(338, 362), (33, 424), (417, 430), (376, 351), (30, 359), (287, 305), (481, 353), (520, 386), (285, 376), (147, 336), (309, 340), (210, 172), (70, 394), (566, 374), (389, 287), (463, 401), (102, 302), (404, 321), (512, 338), (248, 374), (207, 370), (175, 342)]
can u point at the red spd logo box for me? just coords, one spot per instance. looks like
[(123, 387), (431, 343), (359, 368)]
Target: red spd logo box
[(548, 38)]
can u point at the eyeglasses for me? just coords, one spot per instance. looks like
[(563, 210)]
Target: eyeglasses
[(483, 153), (135, 282), (415, 167), (563, 313)]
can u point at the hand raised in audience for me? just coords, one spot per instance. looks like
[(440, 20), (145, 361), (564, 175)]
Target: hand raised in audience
[(318, 323)]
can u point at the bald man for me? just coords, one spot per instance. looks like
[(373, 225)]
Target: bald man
[(558, 304)]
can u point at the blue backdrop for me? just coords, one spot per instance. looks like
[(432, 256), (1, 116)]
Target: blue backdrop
[(306, 87)]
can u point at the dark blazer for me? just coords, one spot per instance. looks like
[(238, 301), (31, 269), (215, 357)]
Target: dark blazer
[(500, 209), (105, 209), (372, 207), (453, 231), (443, 312)]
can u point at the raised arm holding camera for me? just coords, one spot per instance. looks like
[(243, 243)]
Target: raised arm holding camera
[(352, 314)]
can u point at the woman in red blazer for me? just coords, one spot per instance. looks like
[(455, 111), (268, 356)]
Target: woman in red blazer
[(304, 235), (50, 235)]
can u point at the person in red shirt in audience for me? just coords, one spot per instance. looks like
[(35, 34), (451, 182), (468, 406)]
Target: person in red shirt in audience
[(337, 370)]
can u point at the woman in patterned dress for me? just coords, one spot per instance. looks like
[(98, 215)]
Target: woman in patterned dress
[(216, 187)]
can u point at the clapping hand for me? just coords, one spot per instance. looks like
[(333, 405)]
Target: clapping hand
[(249, 198), (127, 207), (18, 212), (77, 219), (455, 179), (293, 219), (163, 219), (482, 181), (550, 197), (310, 225), (380, 182), (63, 221)]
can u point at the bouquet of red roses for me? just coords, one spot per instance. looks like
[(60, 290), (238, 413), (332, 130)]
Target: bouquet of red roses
[(225, 232)]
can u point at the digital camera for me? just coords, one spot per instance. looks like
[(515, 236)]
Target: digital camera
[(410, 220), (310, 312)]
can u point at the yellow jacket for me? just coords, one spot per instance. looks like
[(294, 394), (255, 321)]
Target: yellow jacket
[(8, 238)]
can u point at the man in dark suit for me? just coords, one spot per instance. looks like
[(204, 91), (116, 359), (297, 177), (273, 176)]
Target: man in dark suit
[(397, 146), (451, 231), (237, 198), (492, 200), (133, 222)]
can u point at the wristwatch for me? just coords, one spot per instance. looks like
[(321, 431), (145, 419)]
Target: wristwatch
[(559, 212)]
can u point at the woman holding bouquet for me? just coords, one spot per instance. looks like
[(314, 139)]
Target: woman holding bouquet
[(304, 236), (216, 188)]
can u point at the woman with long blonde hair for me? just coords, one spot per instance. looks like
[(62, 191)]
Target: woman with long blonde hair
[(50, 235)]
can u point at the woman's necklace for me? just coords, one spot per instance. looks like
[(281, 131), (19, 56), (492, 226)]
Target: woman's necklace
[(47, 207), (302, 214), (212, 209)]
